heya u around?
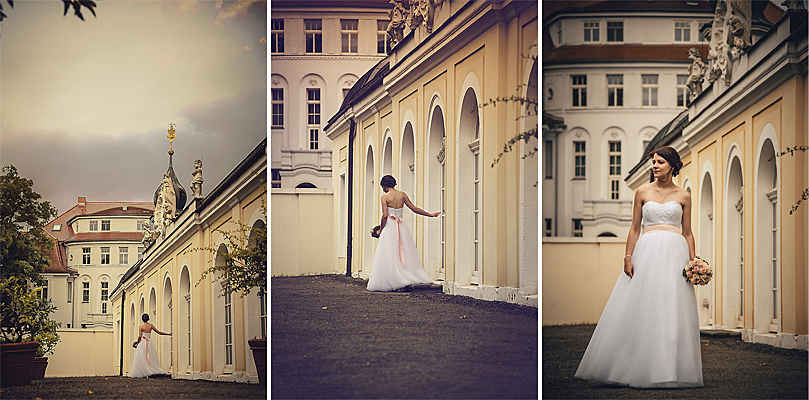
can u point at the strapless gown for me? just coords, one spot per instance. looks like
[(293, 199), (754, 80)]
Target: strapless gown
[(396, 261), (146, 362), (648, 334)]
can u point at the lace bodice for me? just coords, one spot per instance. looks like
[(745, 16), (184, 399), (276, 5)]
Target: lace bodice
[(669, 213), (396, 212)]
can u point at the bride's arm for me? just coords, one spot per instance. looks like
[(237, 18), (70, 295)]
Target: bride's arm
[(689, 236), (384, 215), (140, 334), (634, 233), (162, 333), (418, 210)]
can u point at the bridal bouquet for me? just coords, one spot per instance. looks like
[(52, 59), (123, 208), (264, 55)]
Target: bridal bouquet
[(375, 232), (135, 345), (698, 272)]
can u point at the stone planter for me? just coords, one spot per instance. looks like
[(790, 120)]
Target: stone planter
[(18, 363), (259, 348), (40, 363)]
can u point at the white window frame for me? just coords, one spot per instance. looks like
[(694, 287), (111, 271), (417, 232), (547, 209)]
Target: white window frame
[(683, 28), (229, 351), (85, 292), (616, 30), (682, 90), (313, 113), (70, 292), (140, 252), (477, 268), (93, 226), (105, 223), (123, 255), (105, 255), (277, 36), (578, 84), (349, 37), (105, 296), (57, 227), (314, 33), (594, 29), (615, 91), (649, 88), (382, 36), (614, 168), (773, 197), (277, 107), (579, 159), (86, 256)]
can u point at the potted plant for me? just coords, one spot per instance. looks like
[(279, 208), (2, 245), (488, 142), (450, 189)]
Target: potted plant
[(20, 308), (242, 268), (47, 337)]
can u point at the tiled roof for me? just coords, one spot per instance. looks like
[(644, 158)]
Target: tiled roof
[(104, 236), (89, 208), (58, 256), (550, 9), (318, 4), (618, 53), (119, 211)]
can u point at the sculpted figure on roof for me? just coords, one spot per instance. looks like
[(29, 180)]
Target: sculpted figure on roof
[(196, 182), (696, 73), (730, 37), (397, 15)]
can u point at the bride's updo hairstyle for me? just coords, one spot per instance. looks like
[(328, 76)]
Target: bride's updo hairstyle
[(388, 181), (145, 317), (671, 157)]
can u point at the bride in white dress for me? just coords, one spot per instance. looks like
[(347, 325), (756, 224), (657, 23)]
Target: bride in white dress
[(648, 334), (396, 261), (146, 362)]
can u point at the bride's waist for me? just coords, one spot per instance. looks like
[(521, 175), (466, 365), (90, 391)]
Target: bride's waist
[(661, 227)]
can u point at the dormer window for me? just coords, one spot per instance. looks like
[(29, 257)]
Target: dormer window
[(105, 225), (93, 226), (57, 227)]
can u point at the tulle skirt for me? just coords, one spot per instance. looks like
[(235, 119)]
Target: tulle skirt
[(387, 271), (143, 366), (648, 334)]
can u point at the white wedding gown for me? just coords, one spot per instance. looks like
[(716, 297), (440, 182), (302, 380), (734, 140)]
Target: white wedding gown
[(648, 334), (395, 242), (144, 365)]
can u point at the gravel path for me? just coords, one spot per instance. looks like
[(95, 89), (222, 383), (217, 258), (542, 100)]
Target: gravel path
[(731, 369), (116, 387), (331, 338)]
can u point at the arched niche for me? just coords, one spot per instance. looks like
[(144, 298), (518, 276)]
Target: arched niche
[(733, 268), (766, 236), (370, 207), (435, 245), (468, 197)]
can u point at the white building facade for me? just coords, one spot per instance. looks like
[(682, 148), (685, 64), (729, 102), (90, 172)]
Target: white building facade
[(96, 242), (615, 73), (318, 51)]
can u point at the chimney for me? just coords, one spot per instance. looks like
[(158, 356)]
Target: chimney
[(82, 201)]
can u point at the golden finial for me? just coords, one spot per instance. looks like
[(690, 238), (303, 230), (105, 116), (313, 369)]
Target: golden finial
[(171, 137)]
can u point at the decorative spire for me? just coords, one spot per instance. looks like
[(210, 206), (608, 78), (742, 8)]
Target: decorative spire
[(171, 137)]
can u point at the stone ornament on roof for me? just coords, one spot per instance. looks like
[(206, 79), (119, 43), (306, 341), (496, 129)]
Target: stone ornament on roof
[(696, 74), (398, 15), (423, 11), (196, 181), (730, 37)]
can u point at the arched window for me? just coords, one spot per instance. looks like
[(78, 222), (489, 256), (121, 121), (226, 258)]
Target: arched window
[(306, 185), (607, 234)]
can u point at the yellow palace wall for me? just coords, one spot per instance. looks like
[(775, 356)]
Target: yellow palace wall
[(494, 64), (785, 110), (164, 274)]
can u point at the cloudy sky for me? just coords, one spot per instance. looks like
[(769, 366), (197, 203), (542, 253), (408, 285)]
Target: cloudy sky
[(84, 106)]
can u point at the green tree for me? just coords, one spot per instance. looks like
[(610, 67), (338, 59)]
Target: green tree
[(24, 247), (23, 243), (242, 264)]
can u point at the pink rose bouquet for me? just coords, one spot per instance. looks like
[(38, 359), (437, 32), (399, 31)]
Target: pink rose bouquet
[(698, 272)]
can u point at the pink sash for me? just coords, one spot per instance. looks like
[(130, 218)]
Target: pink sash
[(146, 343), (399, 233), (662, 227)]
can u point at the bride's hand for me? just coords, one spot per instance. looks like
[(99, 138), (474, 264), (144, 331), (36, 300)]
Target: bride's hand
[(629, 268), (435, 214)]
